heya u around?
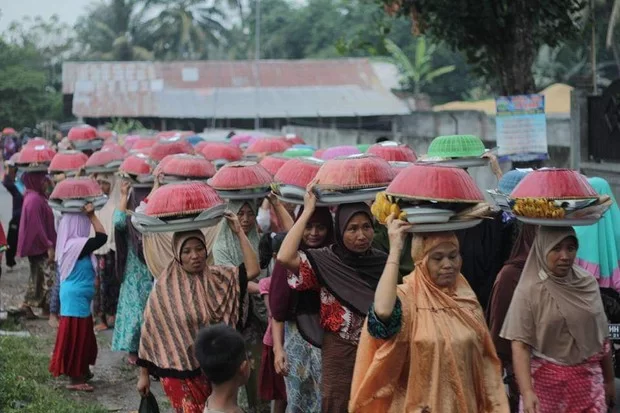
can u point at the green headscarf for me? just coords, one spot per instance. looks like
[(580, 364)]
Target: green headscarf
[(227, 250)]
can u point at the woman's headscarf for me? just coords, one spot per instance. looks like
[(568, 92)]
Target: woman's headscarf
[(350, 277), (599, 252), (227, 250), (73, 232), (106, 214), (443, 353), (561, 318), (37, 232), (132, 238), (35, 181), (180, 305), (287, 304)]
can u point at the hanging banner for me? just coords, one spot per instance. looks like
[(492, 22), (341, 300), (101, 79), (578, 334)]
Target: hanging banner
[(521, 127)]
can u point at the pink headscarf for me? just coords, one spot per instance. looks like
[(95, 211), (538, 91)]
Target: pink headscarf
[(73, 232)]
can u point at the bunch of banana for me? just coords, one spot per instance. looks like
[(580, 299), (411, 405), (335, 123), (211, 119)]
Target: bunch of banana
[(538, 208), (383, 207)]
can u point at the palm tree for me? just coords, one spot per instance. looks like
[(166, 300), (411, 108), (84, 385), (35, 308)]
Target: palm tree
[(186, 29), (417, 72)]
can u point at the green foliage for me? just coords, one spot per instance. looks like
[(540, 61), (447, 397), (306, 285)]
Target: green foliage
[(124, 126), (25, 380)]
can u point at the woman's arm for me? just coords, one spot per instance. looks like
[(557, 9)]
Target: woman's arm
[(286, 221), (288, 255), (280, 359), (385, 295), (263, 218), (521, 365)]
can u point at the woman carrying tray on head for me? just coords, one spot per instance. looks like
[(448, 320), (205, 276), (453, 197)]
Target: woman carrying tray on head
[(560, 347), (227, 251), (76, 346), (426, 346), (296, 330), (107, 286), (171, 325), (37, 241), (137, 280), (346, 273)]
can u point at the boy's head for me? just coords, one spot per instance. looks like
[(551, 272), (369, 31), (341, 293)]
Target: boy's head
[(221, 352)]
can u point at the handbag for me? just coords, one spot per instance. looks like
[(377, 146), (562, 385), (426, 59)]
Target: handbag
[(148, 404)]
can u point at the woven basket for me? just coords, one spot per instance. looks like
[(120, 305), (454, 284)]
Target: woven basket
[(162, 149), (214, 151), (37, 142), (82, 133), (393, 152), (273, 163), (68, 161), (510, 180), (39, 154), (339, 151), (354, 172), (267, 146), (182, 199), (298, 172), (435, 183), (76, 188), (242, 175), (554, 183), (184, 165), (298, 152), (136, 165), (456, 146)]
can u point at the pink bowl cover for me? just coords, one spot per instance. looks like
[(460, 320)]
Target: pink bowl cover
[(68, 161), (239, 140), (115, 147), (82, 133), (554, 183), (36, 154), (37, 142), (76, 188), (214, 151), (338, 151), (354, 172), (183, 198), (143, 143), (241, 175), (136, 165), (104, 157), (393, 152), (8, 131), (298, 172), (162, 149), (435, 183), (191, 166), (273, 163), (295, 140), (268, 146)]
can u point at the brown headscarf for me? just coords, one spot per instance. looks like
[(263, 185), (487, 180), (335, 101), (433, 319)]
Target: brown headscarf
[(441, 361), (561, 318), (181, 304)]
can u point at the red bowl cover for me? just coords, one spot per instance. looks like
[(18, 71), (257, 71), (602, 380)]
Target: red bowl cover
[(298, 172), (82, 133), (393, 151), (106, 134), (273, 163), (104, 157), (319, 153), (36, 154), (136, 164), (68, 161), (213, 151), (142, 143), (114, 147), (241, 175), (183, 198), (354, 172), (397, 167), (436, 183), (76, 188), (37, 142), (8, 131), (268, 145), (162, 149), (338, 151), (199, 146), (554, 183), (295, 140), (191, 166)]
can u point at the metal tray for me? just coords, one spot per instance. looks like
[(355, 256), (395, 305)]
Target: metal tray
[(550, 222), (448, 226)]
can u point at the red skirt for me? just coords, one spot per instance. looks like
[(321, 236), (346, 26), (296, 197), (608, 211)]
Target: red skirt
[(270, 384), (75, 349), (187, 395)]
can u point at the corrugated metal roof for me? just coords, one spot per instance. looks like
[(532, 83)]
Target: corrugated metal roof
[(307, 88)]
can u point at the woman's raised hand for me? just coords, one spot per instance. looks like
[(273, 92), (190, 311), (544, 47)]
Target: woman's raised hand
[(310, 199), (125, 187), (397, 231), (89, 209), (233, 222)]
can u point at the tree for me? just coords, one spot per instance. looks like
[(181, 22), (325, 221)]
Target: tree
[(499, 38), (417, 72)]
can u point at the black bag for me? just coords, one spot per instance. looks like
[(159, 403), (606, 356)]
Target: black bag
[(148, 404)]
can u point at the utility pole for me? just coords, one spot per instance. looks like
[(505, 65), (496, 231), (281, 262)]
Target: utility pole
[(256, 67)]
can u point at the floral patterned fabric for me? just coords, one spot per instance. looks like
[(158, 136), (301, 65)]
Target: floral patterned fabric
[(303, 383), (135, 290), (569, 389), (107, 286), (187, 395), (335, 317)]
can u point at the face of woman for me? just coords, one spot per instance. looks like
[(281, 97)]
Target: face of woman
[(358, 234), (247, 218), (105, 186), (314, 234), (444, 264), (193, 256), (562, 256)]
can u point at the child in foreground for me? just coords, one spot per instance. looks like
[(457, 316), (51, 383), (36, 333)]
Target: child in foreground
[(221, 352)]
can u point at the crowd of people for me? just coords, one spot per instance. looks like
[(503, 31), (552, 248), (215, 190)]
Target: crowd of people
[(318, 309)]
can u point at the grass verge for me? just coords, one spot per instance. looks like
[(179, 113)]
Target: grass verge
[(26, 386)]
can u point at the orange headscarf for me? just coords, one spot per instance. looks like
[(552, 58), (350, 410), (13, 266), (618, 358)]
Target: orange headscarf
[(442, 360)]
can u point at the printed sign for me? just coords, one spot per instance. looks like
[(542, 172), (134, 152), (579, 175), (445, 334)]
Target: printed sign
[(614, 331)]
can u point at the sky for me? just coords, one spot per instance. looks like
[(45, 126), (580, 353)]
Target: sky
[(67, 10)]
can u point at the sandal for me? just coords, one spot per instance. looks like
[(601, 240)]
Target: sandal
[(100, 327), (85, 387)]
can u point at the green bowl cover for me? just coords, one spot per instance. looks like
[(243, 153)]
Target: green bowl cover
[(456, 146), (363, 147), (297, 152)]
